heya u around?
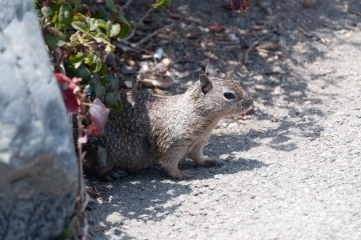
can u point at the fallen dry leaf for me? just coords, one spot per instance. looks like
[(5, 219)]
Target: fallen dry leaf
[(308, 4), (216, 28), (157, 81), (257, 27), (240, 5), (175, 15)]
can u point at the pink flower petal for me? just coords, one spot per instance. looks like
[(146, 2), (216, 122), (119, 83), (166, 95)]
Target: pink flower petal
[(99, 116), (83, 139), (76, 80)]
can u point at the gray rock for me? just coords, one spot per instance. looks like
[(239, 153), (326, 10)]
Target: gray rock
[(38, 170), (128, 70)]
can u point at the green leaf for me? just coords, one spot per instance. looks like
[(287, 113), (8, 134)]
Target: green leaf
[(53, 4), (68, 232), (94, 79), (80, 26), (84, 74), (55, 18), (94, 8), (81, 72), (109, 48), (68, 35), (103, 70), (53, 42), (54, 32), (64, 14), (47, 12), (98, 65), (54, 38), (101, 37), (114, 30), (90, 58), (109, 26), (102, 24), (76, 2), (110, 6), (76, 59), (110, 83), (92, 23), (111, 99), (99, 89), (126, 29), (118, 108), (162, 3), (79, 17), (104, 15), (78, 7)]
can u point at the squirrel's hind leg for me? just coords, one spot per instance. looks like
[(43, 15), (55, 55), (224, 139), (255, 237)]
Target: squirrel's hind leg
[(171, 167)]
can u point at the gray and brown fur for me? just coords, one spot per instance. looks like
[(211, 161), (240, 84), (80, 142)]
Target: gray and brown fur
[(163, 129)]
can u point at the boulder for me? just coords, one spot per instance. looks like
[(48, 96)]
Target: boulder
[(38, 170)]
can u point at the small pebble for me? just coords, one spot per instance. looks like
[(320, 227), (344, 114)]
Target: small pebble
[(128, 70)]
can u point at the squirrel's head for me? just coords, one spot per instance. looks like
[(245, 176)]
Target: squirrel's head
[(221, 97)]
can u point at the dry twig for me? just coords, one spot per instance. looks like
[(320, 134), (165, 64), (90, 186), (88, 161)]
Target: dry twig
[(254, 45), (137, 25), (127, 4), (136, 45)]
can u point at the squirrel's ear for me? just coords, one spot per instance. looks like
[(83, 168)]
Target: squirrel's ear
[(211, 71), (206, 84)]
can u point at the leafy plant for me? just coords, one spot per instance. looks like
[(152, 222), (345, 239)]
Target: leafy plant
[(79, 38)]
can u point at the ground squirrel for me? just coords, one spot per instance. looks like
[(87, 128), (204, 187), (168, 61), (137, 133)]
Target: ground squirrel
[(153, 128)]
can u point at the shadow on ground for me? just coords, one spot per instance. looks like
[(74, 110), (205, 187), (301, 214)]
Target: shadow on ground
[(147, 196), (275, 75)]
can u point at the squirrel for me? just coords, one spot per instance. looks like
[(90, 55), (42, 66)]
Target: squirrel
[(153, 128)]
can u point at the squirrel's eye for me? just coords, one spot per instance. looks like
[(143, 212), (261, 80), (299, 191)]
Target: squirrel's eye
[(228, 95)]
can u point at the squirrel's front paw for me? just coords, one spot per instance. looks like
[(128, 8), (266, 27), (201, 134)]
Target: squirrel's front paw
[(180, 174), (212, 162)]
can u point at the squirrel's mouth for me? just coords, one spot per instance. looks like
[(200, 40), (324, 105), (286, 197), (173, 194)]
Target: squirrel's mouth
[(245, 107)]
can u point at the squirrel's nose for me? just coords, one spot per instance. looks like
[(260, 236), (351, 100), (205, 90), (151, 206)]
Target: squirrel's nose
[(247, 102)]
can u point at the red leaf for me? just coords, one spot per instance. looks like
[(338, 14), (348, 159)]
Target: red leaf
[(236, 4), (240, 5), (62, 78), (216, 28), (99, 115), (70, 100), (245, 4)]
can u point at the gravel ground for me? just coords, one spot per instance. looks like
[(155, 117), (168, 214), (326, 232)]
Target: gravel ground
[(292, 170)]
